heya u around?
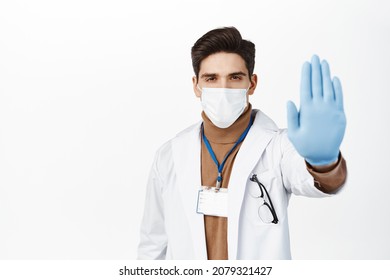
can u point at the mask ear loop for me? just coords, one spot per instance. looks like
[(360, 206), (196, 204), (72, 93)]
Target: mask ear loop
[(201, 91), (246, 92), (250, 83)]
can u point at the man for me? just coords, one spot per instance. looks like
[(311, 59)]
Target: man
[(220, 188)]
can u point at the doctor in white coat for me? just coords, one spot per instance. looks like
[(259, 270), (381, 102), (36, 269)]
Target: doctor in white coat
[(269, 163)]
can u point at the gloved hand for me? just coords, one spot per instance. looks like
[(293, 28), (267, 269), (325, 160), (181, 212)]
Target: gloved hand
[(317, 130)]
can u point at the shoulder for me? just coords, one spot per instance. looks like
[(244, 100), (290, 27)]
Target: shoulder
[(262, 121), (188, 131), (279, 135), (266, 124), (167, 146), (164, 155)]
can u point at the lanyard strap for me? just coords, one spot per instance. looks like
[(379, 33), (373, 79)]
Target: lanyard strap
[(212, 154)]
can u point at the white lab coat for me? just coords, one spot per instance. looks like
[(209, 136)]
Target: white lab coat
[(172, 229)]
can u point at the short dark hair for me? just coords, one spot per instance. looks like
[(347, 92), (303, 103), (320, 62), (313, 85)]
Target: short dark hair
[(225, 39)]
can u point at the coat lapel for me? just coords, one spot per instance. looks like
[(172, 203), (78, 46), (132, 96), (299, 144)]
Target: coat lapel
[(260, 134), (186, 152)]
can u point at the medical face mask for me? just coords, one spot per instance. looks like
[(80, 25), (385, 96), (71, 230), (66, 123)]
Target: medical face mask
[(223, 106)]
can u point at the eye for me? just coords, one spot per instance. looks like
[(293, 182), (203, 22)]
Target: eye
[(236, 77), (210, 79)]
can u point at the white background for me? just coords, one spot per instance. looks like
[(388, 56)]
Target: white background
[(90, 89)]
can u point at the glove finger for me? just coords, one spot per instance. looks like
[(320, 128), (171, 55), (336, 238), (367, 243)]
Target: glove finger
[(306, 83), (327, 82), (338, 92), (292, 117), (316, 78)]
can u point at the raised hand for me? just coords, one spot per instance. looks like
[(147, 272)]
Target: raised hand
[(317, 130)]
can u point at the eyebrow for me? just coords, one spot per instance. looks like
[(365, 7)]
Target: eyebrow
[(239, 73), (208, 75)]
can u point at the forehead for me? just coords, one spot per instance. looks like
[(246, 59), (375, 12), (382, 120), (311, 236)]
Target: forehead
[(222, 63)]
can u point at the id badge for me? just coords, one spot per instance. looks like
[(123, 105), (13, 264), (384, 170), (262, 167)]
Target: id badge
[(213, 203)]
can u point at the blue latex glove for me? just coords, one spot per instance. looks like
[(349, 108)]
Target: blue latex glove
[(317, 130)]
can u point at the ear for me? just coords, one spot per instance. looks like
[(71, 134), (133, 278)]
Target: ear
[(197, 92), (253, 84)]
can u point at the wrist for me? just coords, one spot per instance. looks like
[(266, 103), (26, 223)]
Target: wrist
[(323, 165)]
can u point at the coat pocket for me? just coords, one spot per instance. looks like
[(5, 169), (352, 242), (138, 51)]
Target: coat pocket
[(265, 200)]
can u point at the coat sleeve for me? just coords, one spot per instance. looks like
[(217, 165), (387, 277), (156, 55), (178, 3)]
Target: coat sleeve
[(330, 180), (296, 177), (153, 239)]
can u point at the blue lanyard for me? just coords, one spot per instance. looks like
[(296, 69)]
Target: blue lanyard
[(212, 154)]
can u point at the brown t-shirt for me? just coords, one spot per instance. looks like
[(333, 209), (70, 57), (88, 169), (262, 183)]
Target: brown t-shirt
[(221, 141)]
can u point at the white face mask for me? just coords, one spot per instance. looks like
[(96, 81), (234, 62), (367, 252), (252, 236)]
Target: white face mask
[(223, 106)]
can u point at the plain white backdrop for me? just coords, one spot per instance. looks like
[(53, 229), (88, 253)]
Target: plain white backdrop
[(90, 89)]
